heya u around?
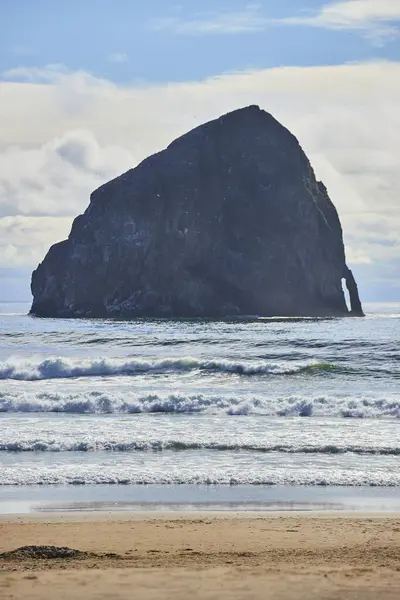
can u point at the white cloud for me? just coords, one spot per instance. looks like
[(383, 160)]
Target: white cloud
[(56, 178), (43, 187), (354, 13), (24, 241), (60, 140), (47, 74), (377, 20), (118, 57), (216, 23)]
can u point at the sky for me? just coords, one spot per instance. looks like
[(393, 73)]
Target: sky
[(88, 88)]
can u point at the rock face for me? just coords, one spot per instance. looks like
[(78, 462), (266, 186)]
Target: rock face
[(228, 220)]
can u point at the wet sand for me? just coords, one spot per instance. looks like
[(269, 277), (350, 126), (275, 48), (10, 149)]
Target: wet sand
[(202, 555)]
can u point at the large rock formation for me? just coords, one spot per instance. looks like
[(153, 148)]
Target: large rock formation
[(228, 220)]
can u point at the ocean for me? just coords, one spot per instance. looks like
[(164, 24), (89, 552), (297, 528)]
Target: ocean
[(247, 411)]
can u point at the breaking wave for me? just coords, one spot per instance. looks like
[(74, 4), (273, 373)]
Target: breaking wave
[(96, 402), (229, 477), (178, 445), (61, 367)]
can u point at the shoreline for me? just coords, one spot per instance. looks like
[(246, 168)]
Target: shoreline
[(194, 498), (115, 516)]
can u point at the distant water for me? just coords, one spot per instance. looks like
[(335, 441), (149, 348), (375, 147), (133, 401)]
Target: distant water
[(294, 402)]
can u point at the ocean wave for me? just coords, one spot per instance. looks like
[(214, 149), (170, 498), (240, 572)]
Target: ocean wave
[(96, 402), (62, 367), (180, 446), (192, 476)]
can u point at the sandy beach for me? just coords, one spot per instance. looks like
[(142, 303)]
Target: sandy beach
[(201, 555)]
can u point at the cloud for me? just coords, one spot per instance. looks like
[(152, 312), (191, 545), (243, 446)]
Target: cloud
[(358, 13), (43, 188), (56, 178), (216, 23), (47, 74), (118, 57), (376, 19), (62, 139), (25, 240)]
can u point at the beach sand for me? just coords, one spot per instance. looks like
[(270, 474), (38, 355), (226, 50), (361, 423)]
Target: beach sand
[(203, 555)]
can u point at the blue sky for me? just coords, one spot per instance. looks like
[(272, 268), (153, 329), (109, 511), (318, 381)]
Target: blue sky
[(145, 43), (118, 80)]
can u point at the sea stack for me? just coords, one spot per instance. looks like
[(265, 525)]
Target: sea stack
[(228, 220)]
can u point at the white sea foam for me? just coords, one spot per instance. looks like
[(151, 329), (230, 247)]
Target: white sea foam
[(190, 474), (127, 402), (45, 445)]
